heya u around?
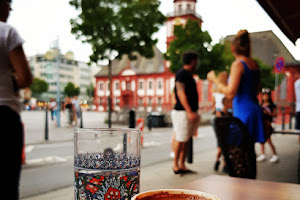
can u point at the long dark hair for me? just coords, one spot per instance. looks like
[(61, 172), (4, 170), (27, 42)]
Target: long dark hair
[(242, 43), (268, 92)]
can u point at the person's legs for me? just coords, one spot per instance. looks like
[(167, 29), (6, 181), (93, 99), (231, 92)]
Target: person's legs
[(275, 157), (12, 133), (262, 157), (182, 156), (172, 154), (177, 151), (272, 146), (179, 120)]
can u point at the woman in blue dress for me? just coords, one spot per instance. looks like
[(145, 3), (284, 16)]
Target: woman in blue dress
[(243, 86)]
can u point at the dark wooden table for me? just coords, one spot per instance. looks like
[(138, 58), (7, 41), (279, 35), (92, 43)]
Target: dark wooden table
[(228, 188)]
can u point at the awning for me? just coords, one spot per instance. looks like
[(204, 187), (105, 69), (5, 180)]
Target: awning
[(286, 14)]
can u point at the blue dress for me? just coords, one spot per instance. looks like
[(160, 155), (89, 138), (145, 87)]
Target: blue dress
[(245, 104)]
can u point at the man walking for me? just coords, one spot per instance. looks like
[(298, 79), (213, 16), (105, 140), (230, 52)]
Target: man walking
[(184, 116)]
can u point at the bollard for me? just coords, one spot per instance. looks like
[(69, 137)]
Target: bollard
[(283, 118), (149, 122), (131, 119), (140, 125), (81, 122), (290, 122), (46, 126), (190, 151)]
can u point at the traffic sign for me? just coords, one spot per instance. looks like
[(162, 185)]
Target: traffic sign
[(279, 64)]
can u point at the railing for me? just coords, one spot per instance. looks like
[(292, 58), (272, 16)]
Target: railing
[(183, 12)]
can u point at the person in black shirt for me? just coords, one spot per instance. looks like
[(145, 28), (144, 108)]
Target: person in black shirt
[(184, 116), (269, 111)]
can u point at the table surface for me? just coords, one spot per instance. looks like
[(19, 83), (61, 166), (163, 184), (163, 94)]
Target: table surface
[(228, 188)]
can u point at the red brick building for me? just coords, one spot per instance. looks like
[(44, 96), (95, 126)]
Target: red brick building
[(147, 84)]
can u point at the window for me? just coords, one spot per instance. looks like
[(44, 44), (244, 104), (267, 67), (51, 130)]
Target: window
[(150, 85), (101, 101), (160, 84), (101, 86), (141, 101), (117, 86), (188, 6), (283, 89), (180, 8), (205, 90), (117, 101), (141, 85), (128, 86), (159, 102), (150, 101)]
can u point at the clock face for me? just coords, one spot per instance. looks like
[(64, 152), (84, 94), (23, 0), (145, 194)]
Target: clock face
[(177, 21)]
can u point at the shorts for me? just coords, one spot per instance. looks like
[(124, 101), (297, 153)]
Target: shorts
[(298, 121), (183, 128)]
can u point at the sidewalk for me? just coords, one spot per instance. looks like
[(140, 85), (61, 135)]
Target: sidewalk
[(161, 176)]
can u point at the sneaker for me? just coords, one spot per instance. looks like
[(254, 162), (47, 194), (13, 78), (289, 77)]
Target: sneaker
[(172, 155), (274, 159), (260, 158), (216, 167)]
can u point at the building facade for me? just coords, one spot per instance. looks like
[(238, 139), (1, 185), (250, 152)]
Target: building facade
[(147, 84), (68, 69), (146, 87)]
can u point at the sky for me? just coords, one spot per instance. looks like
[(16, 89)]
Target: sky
[(41, 22)]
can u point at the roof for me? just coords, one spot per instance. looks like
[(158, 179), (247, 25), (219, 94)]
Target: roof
[(286, 14), (141, 65), (266, 46)]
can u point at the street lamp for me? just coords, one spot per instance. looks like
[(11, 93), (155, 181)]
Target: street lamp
[(54, 54)]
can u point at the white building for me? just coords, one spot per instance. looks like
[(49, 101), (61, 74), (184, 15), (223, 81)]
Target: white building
[(70, 70)]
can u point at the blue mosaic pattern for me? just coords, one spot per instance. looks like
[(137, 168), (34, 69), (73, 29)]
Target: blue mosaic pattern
[(108, 160)]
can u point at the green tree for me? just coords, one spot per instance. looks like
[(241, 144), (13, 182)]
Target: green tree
[(71, 90), (267, 76), (38, 87), (90, 91), (191, 38), (117, 27)]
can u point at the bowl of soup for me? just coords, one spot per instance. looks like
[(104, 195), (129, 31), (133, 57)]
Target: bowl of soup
[(174, 194)]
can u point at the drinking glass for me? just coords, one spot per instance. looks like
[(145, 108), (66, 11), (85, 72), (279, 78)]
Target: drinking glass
[(106, 163)]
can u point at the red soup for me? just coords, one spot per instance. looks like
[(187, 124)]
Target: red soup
[(167, 196)]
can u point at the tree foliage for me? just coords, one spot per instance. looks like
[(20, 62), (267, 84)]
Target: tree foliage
[(267, 76), (71, 90), (90, 91), (190, 37), (117, 26), (38, 87)]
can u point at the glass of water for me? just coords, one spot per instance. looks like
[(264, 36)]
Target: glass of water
[(107, 163)]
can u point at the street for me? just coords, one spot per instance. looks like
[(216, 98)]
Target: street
[(49, 165)]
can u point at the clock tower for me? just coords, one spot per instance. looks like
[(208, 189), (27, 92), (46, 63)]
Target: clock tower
[(183, 10)]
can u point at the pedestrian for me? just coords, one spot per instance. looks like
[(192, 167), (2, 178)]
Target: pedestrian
[(53, 107), (14, 75), (185, 118), (244, 86), (269, 111), (76, 113), (297, 94), (173, 102), (219, 96), (220, 110), (69, 110)]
